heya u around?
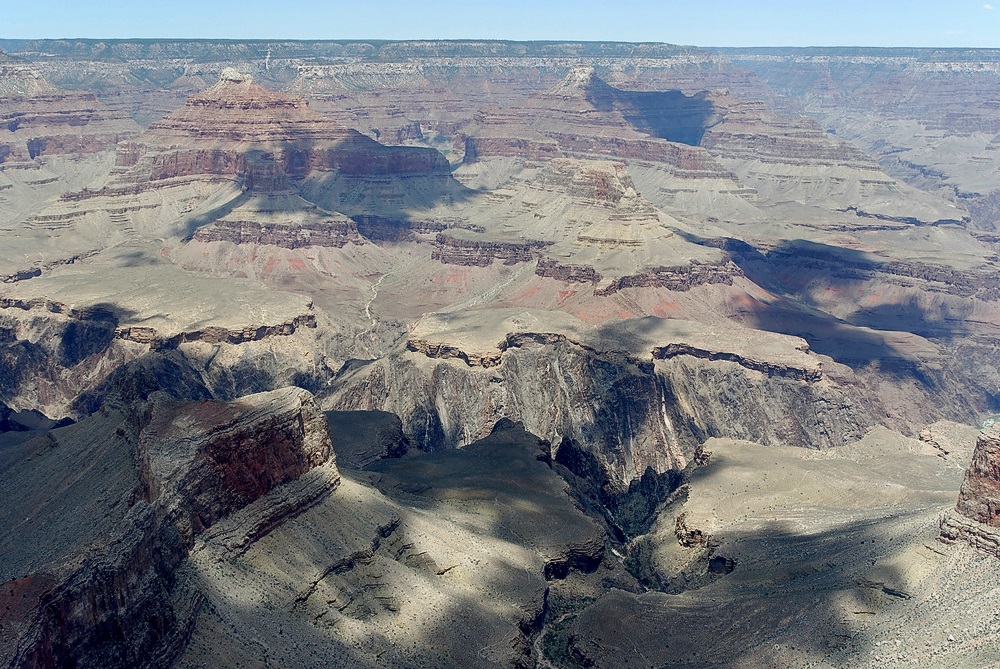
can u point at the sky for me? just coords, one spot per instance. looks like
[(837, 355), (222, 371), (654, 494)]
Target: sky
[(919, 23)]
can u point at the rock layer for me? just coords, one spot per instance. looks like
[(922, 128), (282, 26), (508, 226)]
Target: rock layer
[(100, 596), (37, 119), (979, 498), (632, 412), (238, 116)]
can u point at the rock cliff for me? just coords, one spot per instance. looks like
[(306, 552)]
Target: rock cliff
[(596, 241), (976, 517), (37, 119), (97, 588), (979, 498), (238, 116), (63, 361), (632, 409)]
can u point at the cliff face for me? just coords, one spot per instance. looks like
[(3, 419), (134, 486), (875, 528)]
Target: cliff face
[(910, 113), (979, 498), (63, 361), (58, 123), (53, 353), (334, 234), (677, 278), (99, 595), (212, 458), (629, 265), (629, 412), (584, 116), (481, 253), (976, 517)]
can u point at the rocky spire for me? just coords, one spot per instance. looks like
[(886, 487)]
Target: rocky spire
[(582, 80), (979, 498)]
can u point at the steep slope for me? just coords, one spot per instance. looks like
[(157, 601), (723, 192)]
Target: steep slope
[(443, 561), (634, 395), (782, 557), (91, 557)]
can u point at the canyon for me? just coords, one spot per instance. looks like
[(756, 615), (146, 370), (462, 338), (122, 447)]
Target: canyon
[(548, 354)]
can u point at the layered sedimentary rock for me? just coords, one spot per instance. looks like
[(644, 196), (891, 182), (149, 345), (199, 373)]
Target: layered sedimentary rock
[(584, 213), (769, 554), (237, 116), (37, 119), (457, 250), (629, 264), (625, 394), (979, 498), (569, 174), (584, 116), (284, 220), (976, 517), (784, 158), (466, 546), (61, 358), (922, 114), (51, 141), (181, 173), (96, 572)]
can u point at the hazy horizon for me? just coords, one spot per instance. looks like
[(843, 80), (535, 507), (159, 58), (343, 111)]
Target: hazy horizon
[(714, 23)]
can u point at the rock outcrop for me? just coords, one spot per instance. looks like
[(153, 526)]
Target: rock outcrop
[(98, 594), (37, 119), (979, 498), (238, 117), (677, 278), (474, 252), (976, 519), (63, 360), (280, 219), (365, 437), (631, 409), (585, 117)]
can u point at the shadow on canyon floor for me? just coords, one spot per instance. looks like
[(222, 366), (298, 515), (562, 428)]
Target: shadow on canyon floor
[(793, 270), (910, 316)]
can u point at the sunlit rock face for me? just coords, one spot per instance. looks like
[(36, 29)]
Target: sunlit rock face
[(979, 498), (217, 131), (38, 119), (976, 517)]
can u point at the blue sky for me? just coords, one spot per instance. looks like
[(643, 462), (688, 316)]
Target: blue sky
[(708, 23)]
